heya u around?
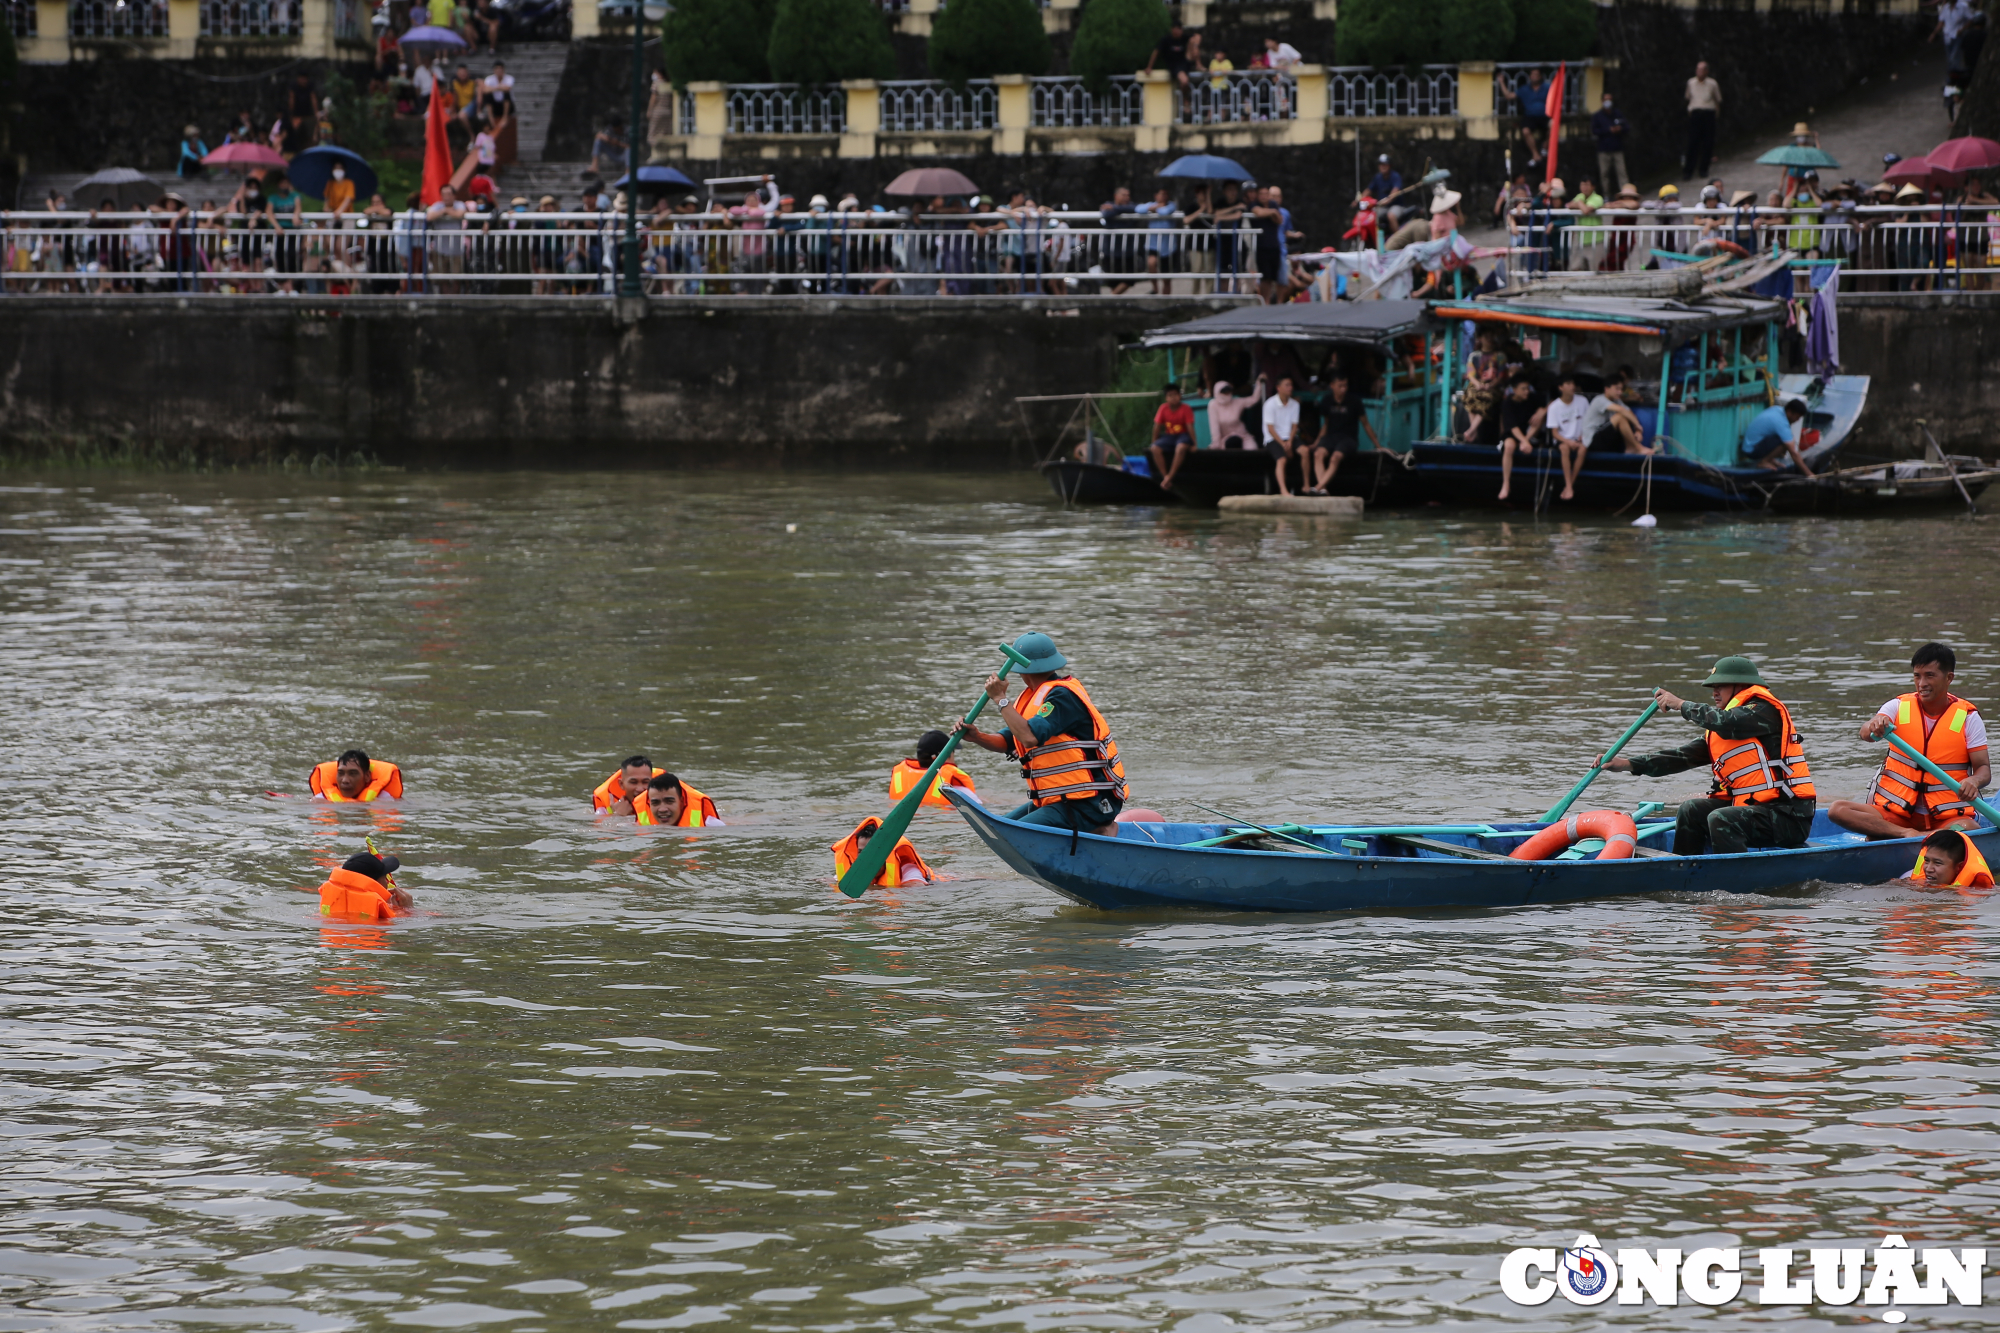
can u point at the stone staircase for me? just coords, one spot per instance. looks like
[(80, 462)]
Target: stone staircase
[(537, 68)]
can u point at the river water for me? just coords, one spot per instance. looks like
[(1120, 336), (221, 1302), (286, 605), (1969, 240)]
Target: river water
[(611, 1078)]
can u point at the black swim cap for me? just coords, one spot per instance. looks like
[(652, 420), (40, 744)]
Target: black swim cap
[(377, 868)]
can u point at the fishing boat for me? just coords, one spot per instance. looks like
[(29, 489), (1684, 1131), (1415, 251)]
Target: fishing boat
[(1345, 868)]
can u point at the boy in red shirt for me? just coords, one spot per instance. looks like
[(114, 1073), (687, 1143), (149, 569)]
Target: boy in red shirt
[(1173, 428)]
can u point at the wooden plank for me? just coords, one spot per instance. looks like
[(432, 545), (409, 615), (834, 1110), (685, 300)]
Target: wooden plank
[(1448, 848)]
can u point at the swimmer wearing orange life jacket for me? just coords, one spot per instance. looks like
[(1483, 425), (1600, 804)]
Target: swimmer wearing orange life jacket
[(620, 793), (363, 890), (356, 777), (1950, 861), (673, 804), (909, 772), (904, 866)]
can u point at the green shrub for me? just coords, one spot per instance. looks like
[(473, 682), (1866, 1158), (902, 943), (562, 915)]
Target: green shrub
[(976, 39), (1115, 37), (826, 41), (1476, 29), (718, 41), (1389, 33), (1554, 29)]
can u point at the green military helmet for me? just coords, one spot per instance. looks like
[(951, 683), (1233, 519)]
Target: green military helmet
[(1041, 652), (1734, 671)]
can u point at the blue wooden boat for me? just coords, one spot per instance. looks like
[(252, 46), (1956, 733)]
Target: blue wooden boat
[(1399, 868)]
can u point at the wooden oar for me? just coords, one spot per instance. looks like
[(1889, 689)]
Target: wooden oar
[(1310, 846), (1561, 808), (868, 864), (1924, 762)]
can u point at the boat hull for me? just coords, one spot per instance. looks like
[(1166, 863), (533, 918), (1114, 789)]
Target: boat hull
[(1138, 870), (1100, 484)]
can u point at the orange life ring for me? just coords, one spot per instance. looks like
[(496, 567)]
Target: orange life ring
[(1620, 834)]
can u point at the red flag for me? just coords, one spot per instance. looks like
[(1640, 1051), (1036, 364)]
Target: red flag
[(1554, 108), (437, 145)]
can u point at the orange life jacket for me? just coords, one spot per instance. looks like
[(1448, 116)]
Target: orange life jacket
[(612, 790), (904, 854), (383, 780), (909, 772), (1070, 768), (353, 896), (696, 809), (1747, 773), (1903, 789), (1974, 874)]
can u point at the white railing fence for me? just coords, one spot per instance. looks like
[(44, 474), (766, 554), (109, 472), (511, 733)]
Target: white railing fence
[(1057, 101), (1240, 95), (1513, 75), (782, 108), (23, 18), (576, 254), (926, 104), (251, 18), (1359, 91), (118, 18)]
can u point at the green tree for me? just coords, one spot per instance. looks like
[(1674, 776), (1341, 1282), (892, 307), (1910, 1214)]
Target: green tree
[(1476, 29), (1554, 29), (1115, 37), (825, 41), (976, 39), (721, 41), (1388, 33)]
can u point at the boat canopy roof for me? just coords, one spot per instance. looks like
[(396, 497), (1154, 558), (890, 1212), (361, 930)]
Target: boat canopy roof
[(1300, 321), (1659, 316)]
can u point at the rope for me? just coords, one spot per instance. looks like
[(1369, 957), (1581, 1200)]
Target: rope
[(1645, 485)]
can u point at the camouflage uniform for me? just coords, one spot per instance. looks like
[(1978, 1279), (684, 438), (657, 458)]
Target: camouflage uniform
[(1712, 823)]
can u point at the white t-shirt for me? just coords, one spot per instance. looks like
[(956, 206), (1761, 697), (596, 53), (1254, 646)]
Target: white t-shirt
[(1975, 726), (1287, 56), (1597, 416), (1566, 419), (1954, 15), (498, 83), (1281, 419)]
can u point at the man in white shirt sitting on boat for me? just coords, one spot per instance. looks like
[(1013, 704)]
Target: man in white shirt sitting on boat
[(1565, 422)]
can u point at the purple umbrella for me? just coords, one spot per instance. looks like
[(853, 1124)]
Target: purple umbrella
[(430, 36)]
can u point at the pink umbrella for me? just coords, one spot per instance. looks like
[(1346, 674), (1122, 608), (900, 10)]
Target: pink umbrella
[(1959, 156), (1920, 171), (244, 155)]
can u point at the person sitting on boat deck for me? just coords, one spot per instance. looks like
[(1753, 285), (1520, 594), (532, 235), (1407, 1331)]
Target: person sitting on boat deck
[(1947, 730), (1609, 424), (1342, 418), (671, 803), (1566, 415), (1521, 418), (1763, 793), (1950, 861), (356, 777), (617, 794), (363, 889), (1173, 429), (904, 866), (1281, 436), (1225, 416), (908, 772), (1772, 434), (1075, 778)]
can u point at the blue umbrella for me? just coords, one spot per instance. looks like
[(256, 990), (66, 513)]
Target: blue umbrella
[(1205, 167), (313, 168), (656, 176), (430, 36)]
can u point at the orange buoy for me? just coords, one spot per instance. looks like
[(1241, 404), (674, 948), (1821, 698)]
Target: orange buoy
[(1620, 834)]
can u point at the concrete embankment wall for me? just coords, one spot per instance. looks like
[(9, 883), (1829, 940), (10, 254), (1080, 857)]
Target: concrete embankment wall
[(556, 382), (733, 381)]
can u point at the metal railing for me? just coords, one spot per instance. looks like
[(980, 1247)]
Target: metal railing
[(1058, 101), (1238, 95), (1879, 248), (1515, 75), (347, 21), (910, 105), (251, 18), (780, 108), (118, 18), (23, 18), (1032, 253), (1359, 91)]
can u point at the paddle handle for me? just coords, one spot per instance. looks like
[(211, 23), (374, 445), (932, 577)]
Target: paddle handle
[(1923, 761), (1561, 808), (876, 854)]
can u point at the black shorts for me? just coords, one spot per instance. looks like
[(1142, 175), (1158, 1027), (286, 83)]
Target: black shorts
[(1608, 438), (1335, 444), (1267, 264), (1539, 124)]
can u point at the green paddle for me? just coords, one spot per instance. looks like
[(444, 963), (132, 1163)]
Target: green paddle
[(1561, 807), (1923, 761), (876, 854)]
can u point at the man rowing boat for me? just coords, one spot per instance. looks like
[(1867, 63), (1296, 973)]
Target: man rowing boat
[(1763, 794), (1075, 778), (1948, 730)]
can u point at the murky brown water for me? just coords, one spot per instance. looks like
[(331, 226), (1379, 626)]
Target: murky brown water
[(607, 1079)]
